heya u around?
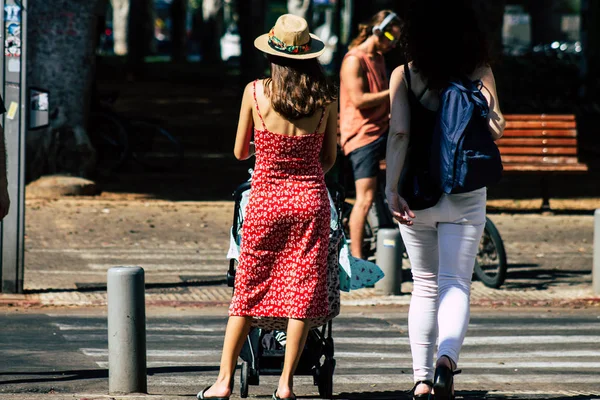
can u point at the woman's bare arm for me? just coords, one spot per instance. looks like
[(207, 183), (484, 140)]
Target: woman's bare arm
[(352, 75), (496, 121), (243, 148), (329, 149), (397, 146)]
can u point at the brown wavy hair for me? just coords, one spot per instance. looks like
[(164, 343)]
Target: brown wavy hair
[(444, 40), (366, 28), (298, 88)]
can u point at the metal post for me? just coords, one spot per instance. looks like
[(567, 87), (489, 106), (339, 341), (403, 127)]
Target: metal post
[(13, 72), (126, 331), (389, 259), (596, 267)]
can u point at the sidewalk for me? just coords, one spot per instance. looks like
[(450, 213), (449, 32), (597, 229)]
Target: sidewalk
[(71, 243)]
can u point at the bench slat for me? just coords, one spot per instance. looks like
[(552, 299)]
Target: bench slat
[(539, 160), (539, 150), (545, 168), (540, 124), (539, 133), (505, 142), (530, 117)]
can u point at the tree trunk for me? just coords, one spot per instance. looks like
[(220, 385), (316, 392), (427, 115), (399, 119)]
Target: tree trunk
[(298, 7), (178, 30), (590, 29), (120, 25), (61, 59), (140, 18), (212, 29), (491, 13), (545, 22), (252, 20)]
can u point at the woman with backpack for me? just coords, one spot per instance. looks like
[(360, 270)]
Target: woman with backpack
[(289, 122), (441, 230)]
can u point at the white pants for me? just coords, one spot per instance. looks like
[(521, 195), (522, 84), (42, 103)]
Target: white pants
[(442, 245)]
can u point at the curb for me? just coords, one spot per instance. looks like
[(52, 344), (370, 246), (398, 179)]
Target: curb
[(220, 295)]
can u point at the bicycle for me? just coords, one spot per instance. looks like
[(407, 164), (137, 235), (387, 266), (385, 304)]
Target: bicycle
[(118, 139), (490, 264)]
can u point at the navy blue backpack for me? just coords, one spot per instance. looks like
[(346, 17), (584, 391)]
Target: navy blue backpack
[(468, 157)]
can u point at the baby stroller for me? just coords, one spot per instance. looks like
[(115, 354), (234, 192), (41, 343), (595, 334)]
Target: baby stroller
[(264, 349)]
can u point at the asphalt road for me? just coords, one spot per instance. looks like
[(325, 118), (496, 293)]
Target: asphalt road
[(516, 354)]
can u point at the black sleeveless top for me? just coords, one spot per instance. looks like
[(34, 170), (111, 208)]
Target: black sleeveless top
[(417, 187)]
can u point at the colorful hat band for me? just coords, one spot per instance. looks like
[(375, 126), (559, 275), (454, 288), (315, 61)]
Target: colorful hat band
[(278, 45)]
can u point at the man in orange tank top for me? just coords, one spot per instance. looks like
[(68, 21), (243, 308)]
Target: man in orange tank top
[(364, 112)]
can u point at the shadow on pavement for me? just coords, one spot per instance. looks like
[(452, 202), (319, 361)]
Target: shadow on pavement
[(527, 276), (84, 374), (464, 395), (101, 287)]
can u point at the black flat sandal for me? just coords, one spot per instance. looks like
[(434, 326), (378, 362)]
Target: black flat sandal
[(275, 397), (200, 395), (443, 381), (422, 396)]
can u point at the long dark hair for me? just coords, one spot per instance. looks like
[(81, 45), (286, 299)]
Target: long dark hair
[(298, 88), (366, 28), (443, 39)]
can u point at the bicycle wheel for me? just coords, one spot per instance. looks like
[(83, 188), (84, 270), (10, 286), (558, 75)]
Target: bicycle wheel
[(109, 138), (154, 147), (490, 264)]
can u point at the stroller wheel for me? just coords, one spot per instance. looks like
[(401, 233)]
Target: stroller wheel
[(244, 380), (325, 378)]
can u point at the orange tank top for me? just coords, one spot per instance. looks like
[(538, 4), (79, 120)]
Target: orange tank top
[(361, 127)]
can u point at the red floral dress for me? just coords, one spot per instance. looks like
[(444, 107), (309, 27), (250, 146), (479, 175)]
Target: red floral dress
[(282, 269)]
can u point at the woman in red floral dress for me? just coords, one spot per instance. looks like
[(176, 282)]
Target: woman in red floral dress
[(282, 271)]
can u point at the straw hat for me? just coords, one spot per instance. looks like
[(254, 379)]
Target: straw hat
[(290, 38)]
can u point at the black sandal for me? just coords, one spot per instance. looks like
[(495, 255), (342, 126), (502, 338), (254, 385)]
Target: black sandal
[(275, 397), (200, 395), (422, 396), (444, 381)]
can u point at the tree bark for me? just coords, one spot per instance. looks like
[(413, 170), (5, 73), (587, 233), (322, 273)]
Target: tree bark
[(61, 59), (252, 20), (178, 30), (590, 13), (212, 29), (298, 7), (138, 38), (120, 26), (491, 13), (545, 22)]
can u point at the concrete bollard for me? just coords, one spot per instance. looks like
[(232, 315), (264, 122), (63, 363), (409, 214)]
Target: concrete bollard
[(389, 259), (596, 250), (126, 331)]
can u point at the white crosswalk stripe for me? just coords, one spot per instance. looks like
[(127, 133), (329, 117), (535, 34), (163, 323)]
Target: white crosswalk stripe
[(377, 351)]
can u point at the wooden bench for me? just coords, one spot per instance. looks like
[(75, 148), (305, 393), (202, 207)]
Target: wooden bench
[(540, 143)]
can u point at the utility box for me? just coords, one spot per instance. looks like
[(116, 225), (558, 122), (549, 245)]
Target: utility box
[(13, 79)]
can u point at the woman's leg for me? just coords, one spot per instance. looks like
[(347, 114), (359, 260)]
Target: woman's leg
[(297, 332), (235, 335), (458, 243), (422, 246), (458, 248)]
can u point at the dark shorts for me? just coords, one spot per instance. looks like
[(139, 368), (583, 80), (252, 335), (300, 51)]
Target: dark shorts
[(365, 160)]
